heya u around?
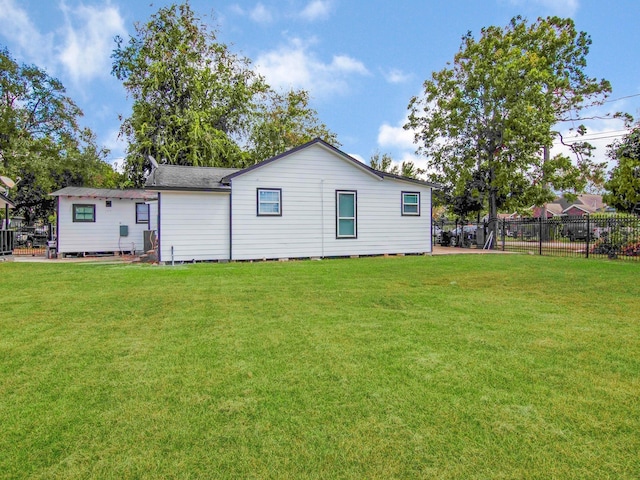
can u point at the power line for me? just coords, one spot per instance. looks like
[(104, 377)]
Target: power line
[(580, 139), (622, 98), (587, 136)]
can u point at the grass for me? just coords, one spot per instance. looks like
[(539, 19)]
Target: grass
[(497, 366)]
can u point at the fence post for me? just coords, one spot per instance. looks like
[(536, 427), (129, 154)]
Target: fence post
[(540, 236), (504, 233), (588, 233)]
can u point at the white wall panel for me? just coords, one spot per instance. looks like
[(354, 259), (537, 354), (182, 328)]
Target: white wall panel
[(195, 224), (309, 179)]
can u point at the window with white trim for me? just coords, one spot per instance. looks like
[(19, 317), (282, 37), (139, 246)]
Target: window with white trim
[(269, 202), (346, 214), (411, 203), (142, 213)]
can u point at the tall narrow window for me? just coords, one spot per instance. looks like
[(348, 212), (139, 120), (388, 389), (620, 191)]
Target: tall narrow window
[(84, 213), (142, 213), (411, 203), (346, 214), (269, 202)]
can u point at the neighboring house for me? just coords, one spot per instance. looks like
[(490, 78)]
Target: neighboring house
[(313, 201), (582, 205), (550, 209), (95, 220)]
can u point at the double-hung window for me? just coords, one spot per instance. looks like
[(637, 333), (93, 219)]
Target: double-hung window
[(346, 214), (411, 203), (84, 213), (269, 202), (142, 213)]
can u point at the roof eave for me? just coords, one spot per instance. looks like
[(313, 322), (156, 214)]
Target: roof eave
[(221, 188)]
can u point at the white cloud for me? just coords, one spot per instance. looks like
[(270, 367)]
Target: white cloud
[(88, 40), (396, 137), (260, 14), (237, 9), (18, 27), (316, 10), (343, 63), (294, 66), (396, 76)]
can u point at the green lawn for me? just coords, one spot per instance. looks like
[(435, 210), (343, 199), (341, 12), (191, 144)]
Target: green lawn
[(473, 366)]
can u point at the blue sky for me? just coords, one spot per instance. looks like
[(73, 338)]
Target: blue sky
[(361, 60)]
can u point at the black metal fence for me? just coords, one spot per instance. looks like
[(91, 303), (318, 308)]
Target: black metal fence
[(597, 235)]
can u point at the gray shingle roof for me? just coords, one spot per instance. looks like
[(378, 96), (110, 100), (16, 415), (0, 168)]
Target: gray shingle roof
[(179, 177), (104, 193)]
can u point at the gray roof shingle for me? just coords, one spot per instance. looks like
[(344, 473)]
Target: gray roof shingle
[(180, 177)]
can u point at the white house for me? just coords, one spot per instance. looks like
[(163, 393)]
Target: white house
[(312, 201), (93, 220)]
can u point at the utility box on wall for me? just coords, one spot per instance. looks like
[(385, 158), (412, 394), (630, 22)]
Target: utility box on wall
[(124, 230)]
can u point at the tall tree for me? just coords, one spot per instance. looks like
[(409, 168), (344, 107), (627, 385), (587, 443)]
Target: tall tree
[(41, 141), (284, 121), (197, 103), (385, 163), (192, 97), (623, 184), (493, 111)]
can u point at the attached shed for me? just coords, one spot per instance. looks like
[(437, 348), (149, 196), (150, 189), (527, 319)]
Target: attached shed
[(312, 201), (97, 220), (193, 212)]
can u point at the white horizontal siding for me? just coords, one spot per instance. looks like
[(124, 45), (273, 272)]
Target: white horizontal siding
[(307, 228), (103, 235), (153, 215), (195, 224)]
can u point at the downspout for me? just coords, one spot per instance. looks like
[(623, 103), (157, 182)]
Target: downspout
[(431, 220), (158, 239), (322, 218), (230, 223), (58, 226)]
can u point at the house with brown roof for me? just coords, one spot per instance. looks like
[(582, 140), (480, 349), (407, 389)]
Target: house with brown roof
[(583, 204)]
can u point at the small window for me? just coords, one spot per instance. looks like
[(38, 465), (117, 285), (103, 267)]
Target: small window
[(142, 213), (346, 214), (269, 202), (107, 204), (84, 213), (411, 203)]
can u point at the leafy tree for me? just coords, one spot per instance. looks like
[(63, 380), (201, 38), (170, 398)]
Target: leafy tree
[(191, 95), (624, 182), (285, 121), (197, 103), (41, 142), (492, 112), (385, 163)]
